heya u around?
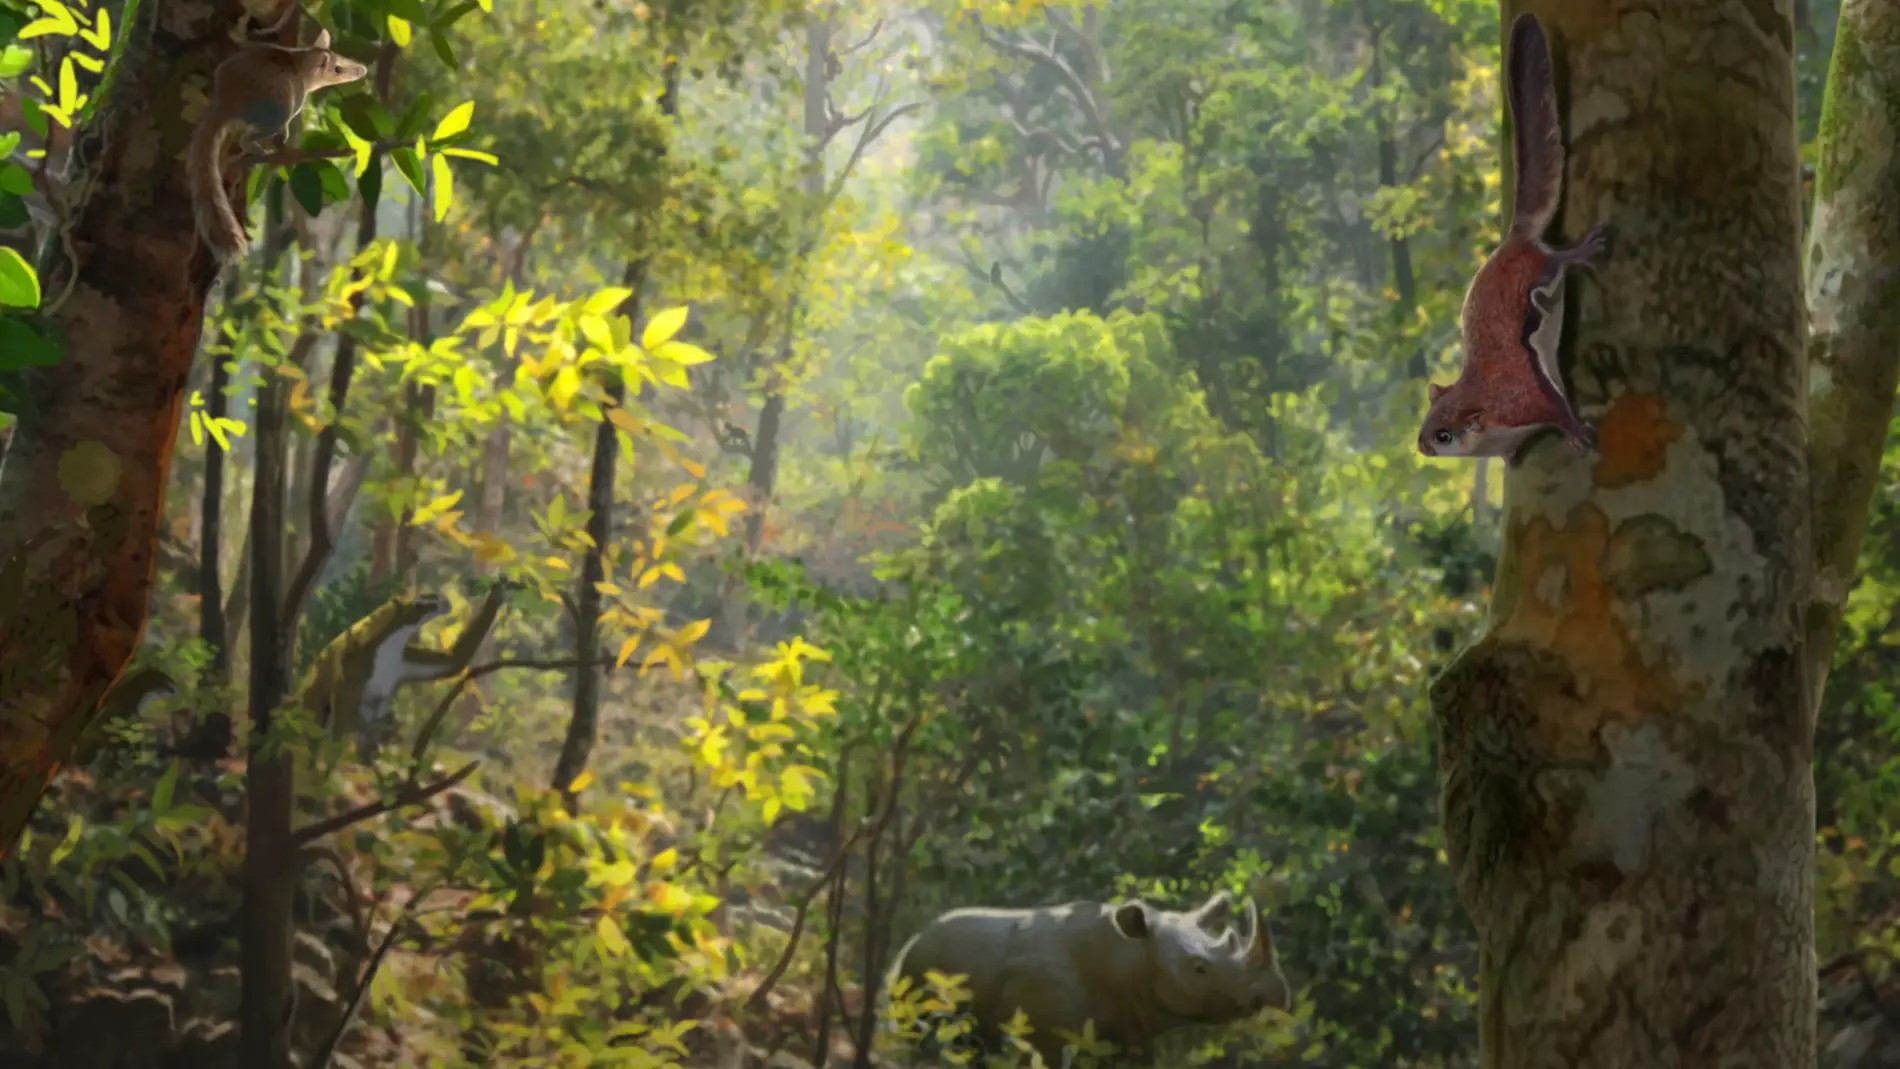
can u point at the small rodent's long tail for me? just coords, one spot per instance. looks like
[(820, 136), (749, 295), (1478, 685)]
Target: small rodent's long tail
[(217, 223), (1536, 133)]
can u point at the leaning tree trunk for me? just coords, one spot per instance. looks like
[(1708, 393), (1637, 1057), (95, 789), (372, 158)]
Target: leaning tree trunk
[(84, 478), (1625, 752)]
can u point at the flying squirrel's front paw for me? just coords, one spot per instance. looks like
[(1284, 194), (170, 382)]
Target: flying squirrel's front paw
[(1583, 437)]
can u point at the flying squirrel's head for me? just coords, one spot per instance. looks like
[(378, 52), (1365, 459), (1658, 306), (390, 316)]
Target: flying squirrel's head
[(322, 67), (1451, 429)]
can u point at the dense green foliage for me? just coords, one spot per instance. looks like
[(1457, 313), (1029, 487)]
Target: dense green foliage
[(1084, 553)]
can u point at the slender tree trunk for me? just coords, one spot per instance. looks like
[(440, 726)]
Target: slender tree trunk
[(83, 483), (265, 931), (1625, 752), (583, 728), (211, 738), (762, 476), (1403, 278)]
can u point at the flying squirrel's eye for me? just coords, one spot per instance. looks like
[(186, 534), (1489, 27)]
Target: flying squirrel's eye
[(1442, 437), (1200, 966)]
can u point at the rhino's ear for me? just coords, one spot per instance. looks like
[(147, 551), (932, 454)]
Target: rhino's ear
[(1135, 920), (1217, 911)]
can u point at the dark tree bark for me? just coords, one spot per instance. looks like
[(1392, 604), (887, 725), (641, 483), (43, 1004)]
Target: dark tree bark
[(84, 478), (1625, 752), (266, 925), (583, 727)]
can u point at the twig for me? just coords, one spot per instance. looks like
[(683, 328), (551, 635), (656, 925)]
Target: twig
[(328, 1051), (412, 793), (429, 726)]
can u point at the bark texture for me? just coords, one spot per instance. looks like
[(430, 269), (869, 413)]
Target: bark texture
[(1624, 753), (1853, 276), (85, 473)]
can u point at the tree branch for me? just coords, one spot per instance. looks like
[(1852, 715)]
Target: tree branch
[(411, 793)]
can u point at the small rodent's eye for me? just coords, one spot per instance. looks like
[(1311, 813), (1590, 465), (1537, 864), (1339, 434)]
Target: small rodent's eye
[(1200, 966), (1442, 437)]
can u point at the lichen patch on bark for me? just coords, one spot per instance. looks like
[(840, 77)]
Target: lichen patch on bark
[(1567, 608), (89, 472), (1633, 440)]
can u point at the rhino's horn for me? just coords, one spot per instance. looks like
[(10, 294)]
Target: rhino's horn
[(1259, 940)]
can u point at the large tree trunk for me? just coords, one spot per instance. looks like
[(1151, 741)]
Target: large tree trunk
[(1853, 302), (1627, 796), (83, 483)]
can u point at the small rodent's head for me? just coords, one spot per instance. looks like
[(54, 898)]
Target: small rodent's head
[(332, 68), (1450, 429)]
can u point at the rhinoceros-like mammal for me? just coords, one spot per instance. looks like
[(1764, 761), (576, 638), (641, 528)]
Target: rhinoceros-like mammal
[(1135, 970)]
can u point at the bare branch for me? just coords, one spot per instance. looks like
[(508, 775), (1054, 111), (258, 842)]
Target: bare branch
[(411, 793), (876, 28)]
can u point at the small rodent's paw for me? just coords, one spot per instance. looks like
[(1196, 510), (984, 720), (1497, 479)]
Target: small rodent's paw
[(1596, 244)]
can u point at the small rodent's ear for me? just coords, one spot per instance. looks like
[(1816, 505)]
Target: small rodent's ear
[(1435, 391), (322, 41)]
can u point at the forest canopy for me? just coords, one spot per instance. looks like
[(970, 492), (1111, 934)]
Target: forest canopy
[(678, 495)]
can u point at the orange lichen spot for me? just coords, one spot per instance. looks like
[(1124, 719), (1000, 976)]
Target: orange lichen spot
[(1565, 606), (1633, 440)]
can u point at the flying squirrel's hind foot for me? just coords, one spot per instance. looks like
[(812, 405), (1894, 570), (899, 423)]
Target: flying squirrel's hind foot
[(1589, 251)]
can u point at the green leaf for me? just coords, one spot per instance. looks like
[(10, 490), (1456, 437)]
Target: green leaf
[(370, 183), (21, 346), (307, 186), (366, 117), (9, 141), (35, 118), (13, 213), (414, 116), (440, 43), (412, 10), (472, 154), (162, 794), (680, 523), (336, 188), (19, 285), (405, 160), (455, 14), (444, 192), (662, 327), (15, 178), (606, 300), (14, 61), (454, 122)]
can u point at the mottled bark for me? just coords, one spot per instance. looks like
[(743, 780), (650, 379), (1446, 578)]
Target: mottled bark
[(83, 483), (1853, 278), (1624, 753)]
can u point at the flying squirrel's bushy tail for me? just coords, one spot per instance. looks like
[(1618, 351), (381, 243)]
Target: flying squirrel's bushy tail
[(1536, 134), (217, 223)]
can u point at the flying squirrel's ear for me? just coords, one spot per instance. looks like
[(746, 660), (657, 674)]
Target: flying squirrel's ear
[(322, 41), (1434, 391)]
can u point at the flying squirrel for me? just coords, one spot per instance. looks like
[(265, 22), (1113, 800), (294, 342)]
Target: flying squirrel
[(261, 87), (1513, 313)]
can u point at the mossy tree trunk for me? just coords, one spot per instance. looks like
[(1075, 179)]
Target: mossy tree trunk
[(84, 477), (1626, 751)]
